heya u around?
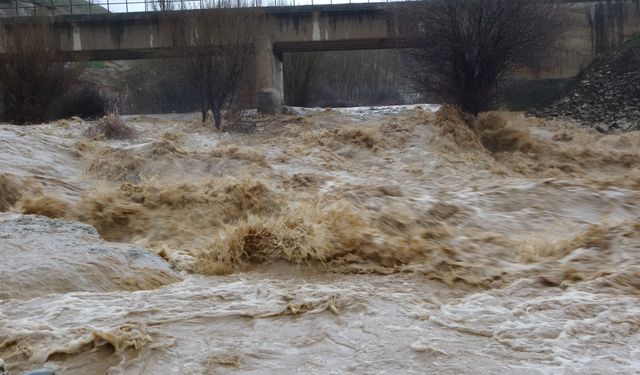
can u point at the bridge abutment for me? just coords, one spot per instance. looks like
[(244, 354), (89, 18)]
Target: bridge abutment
[(269, 78)]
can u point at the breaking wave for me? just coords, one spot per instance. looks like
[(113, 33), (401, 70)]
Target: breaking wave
[(505, 213)]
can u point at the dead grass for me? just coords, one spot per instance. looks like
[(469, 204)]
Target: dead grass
[(112, 127)]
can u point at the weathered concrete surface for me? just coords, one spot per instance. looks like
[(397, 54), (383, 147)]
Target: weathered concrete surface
[(592, 28), (40, 256)]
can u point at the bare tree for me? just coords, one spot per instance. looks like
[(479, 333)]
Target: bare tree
[(218, 49), (32, 72), (466, 47)]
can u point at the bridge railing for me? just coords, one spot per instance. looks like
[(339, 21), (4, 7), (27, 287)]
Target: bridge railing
[(13, 8)]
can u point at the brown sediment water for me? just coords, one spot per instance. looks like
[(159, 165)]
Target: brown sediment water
[(391, 240)]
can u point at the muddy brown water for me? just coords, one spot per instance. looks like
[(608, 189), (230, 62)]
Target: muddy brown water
[(360, 241)]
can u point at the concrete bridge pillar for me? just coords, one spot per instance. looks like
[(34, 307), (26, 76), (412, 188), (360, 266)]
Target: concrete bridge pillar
[(269, 80)]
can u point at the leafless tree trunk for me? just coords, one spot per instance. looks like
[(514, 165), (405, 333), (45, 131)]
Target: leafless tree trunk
[(466, 47), (218, 49), (32, 72)]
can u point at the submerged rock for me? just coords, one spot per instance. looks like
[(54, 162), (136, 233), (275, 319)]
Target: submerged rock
[(41, 256)]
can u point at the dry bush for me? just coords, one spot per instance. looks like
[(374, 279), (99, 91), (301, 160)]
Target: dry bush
[(110, 126), (32, 72), (465, 48)]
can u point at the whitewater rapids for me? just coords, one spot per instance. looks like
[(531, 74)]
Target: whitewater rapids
[(356, 241)]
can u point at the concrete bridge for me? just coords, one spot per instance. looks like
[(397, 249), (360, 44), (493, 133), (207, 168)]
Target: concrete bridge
[(593, 26)]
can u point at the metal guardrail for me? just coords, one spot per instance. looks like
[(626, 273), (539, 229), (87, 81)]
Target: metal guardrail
[(64, 7)]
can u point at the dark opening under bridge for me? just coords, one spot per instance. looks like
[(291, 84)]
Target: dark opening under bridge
[(121, 36)]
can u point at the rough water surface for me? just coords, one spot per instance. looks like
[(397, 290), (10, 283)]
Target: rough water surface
[(395, 240)]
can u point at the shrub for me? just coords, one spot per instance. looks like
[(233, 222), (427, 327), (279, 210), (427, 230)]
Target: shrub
[(110, 126), (465, 48)]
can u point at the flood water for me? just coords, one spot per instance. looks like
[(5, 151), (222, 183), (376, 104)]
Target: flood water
[(365, 241)]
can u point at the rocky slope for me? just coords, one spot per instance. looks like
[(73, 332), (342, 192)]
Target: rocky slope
[(607, 95)]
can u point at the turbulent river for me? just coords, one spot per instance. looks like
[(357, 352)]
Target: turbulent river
[(365, 241)]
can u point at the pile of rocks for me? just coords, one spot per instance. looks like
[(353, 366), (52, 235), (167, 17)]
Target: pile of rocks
[(607, 95)]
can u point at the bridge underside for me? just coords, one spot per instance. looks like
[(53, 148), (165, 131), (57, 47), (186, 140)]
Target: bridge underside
[(278, 48)]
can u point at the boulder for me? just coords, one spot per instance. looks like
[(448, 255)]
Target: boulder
[(40, 256)]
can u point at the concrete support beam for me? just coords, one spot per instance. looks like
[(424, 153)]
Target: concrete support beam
[(269, 78)]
